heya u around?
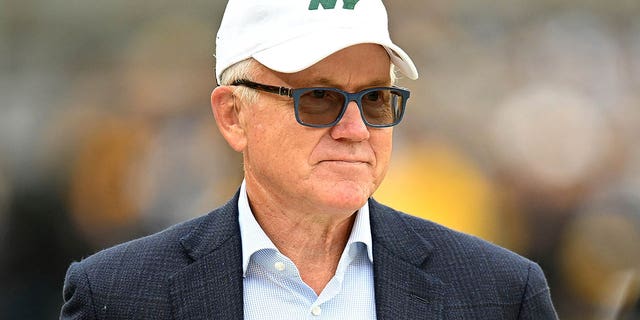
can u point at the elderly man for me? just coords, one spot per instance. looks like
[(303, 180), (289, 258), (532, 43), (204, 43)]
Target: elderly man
[(306, 95)]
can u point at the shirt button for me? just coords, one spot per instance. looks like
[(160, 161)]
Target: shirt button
[(279, 266), (315, 310)]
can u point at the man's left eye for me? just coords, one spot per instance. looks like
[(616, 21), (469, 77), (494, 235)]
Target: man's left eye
[(373, 96), (319, 94)]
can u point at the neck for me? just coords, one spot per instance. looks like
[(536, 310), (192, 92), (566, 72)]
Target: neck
[(313, 240)]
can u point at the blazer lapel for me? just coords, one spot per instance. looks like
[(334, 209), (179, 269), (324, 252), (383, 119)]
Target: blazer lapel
[(211, 286), (404, 289)]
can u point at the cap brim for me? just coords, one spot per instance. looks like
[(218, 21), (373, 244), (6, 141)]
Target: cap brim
[(297, 54)]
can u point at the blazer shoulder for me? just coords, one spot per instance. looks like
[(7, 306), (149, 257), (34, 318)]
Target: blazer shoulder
[(163, 244), (110, 283), (134, 279), (174, 245), (448, 244), (474, 269)]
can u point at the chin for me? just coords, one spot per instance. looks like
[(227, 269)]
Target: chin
[(347, 195)]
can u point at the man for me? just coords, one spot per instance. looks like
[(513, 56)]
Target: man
[(306, 95)]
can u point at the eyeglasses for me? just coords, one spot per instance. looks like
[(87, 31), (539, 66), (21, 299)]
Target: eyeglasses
[(321, 107)]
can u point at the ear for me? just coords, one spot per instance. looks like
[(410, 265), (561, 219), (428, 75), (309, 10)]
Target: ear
[(227, 114)]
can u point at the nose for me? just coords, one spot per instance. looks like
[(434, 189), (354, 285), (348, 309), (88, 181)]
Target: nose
[(351, 127)]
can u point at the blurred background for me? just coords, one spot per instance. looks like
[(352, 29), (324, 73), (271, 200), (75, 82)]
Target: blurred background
[(523, 129)]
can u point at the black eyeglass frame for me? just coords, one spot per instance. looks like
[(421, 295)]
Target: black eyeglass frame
[(356, 96)]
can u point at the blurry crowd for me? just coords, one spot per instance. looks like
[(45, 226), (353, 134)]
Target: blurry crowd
[(523, 129)]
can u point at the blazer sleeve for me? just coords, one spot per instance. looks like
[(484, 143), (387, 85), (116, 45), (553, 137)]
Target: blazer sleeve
[(78, 301), (536, 303)]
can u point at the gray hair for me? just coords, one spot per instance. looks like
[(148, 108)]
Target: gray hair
[(243, 70)]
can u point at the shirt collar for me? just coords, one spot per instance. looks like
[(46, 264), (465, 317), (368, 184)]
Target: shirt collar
[(254, 238)]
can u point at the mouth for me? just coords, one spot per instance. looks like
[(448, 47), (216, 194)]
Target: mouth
[(345, 161)]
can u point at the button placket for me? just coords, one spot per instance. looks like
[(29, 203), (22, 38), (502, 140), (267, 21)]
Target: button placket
[(280, 266), (316, 310)]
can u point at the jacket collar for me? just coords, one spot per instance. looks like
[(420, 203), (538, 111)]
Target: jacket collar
[(211, 286), (404, 288)]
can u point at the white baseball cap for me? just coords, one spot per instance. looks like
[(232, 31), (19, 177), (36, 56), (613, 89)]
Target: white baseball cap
[(291, 35)]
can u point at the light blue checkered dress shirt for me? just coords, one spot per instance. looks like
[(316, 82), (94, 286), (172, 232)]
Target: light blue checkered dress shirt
[(273, 288)]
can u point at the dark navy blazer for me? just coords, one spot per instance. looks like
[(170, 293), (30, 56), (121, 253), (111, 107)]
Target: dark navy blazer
[(193, 270)]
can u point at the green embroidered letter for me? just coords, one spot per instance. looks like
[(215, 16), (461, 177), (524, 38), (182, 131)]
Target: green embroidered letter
[(349, 4), (326, 4)]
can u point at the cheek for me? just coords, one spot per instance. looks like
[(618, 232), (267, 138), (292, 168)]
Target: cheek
[(262, 125), (270, 120), (281, 145), (382, 145)]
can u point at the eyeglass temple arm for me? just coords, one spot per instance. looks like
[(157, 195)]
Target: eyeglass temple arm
[(283, 91)]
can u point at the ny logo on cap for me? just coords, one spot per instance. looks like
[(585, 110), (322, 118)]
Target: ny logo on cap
[(330, 4)]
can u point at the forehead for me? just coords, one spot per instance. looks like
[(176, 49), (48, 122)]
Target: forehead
[(354, 67)]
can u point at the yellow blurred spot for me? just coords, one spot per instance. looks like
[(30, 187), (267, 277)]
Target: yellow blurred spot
[(101, 196), (436, 182)]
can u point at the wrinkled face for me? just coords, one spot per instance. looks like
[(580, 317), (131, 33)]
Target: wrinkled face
[(322, 169)]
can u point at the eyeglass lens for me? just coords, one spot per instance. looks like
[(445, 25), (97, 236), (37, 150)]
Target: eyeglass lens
[(380, 107)]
